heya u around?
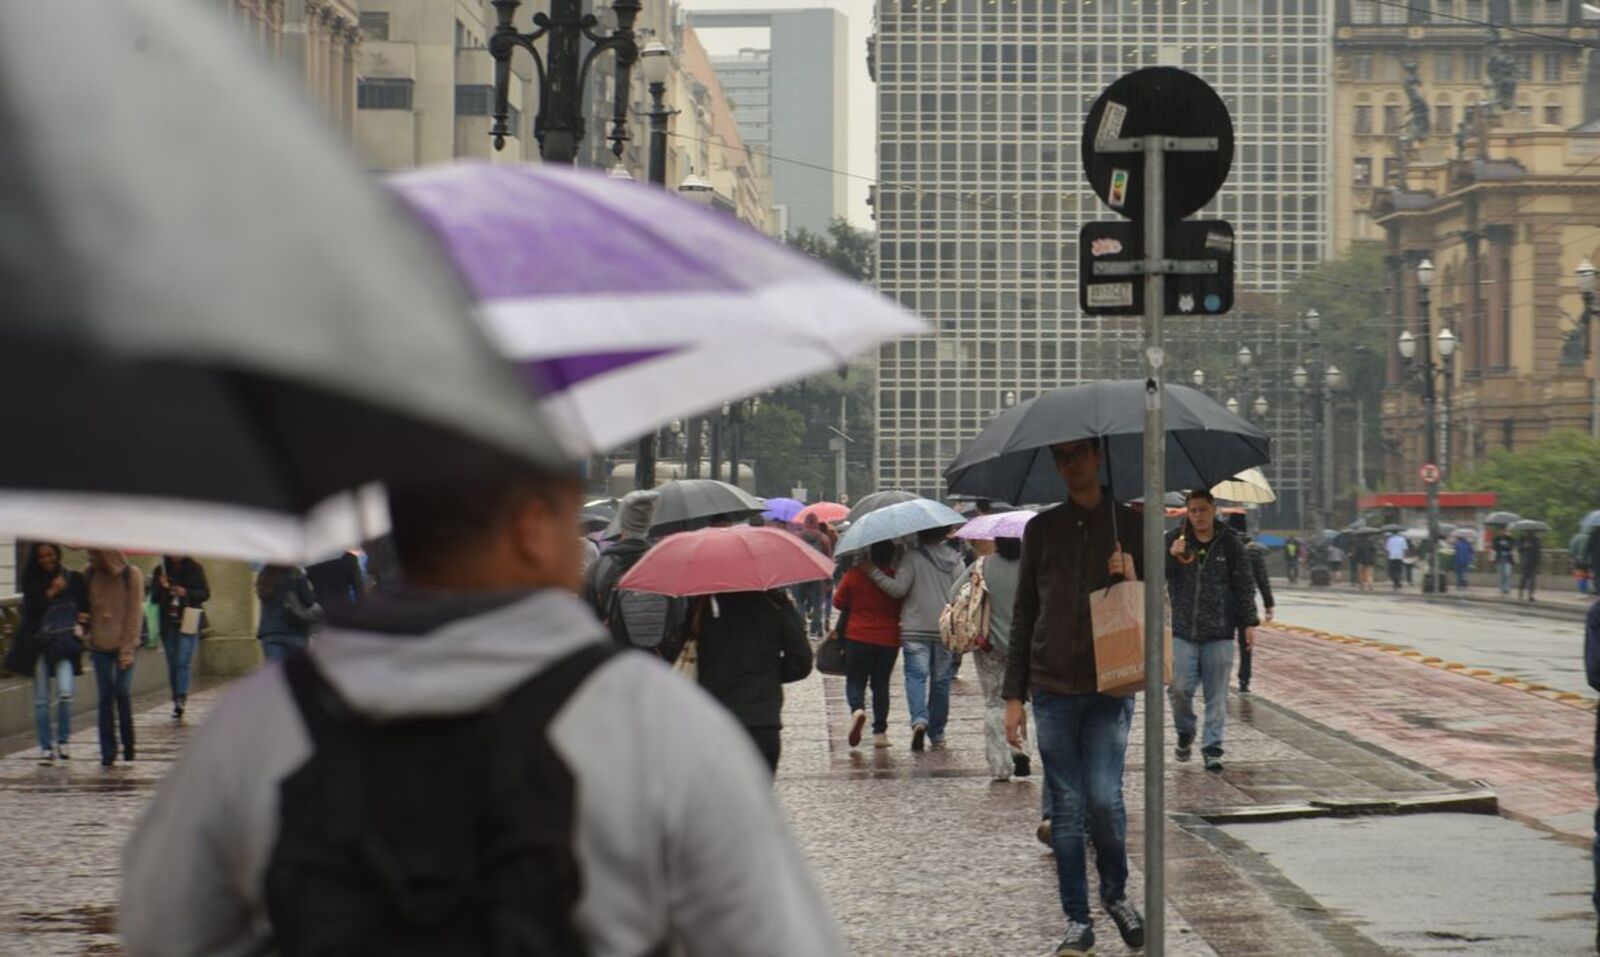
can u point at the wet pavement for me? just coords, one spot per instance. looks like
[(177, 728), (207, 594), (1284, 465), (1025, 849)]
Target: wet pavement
[(922, 853), (1385, 880), (1507, 639)]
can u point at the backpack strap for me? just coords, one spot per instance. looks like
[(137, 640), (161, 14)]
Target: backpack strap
[(532, 706), (321, 706)]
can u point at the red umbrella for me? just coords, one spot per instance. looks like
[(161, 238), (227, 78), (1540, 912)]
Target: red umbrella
[(713, 561), (824, 511)]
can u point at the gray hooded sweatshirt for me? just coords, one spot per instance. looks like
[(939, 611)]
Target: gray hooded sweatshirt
[(923, 579), (677, 833)]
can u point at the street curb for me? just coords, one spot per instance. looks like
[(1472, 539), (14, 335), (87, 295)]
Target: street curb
[(1480, 801), (1569, 698)]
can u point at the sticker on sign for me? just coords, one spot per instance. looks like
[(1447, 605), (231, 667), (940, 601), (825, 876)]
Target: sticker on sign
[(1106, 295), (1111, 123), (1118, 194)]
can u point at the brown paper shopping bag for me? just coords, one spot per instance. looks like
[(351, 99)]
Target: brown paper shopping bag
[(1117, 614)]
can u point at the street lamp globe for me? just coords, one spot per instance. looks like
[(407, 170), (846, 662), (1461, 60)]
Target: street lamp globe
[(676, 426), (1313, 319), (1447, 343), (1243, 357), (1586, 274), (620, 172), (726, 408), (1300, 377), (1260, 406), (1334, 379), (655, 62), (698, 189), (755, 404), (1407, 345), (1198, 377), (1232, 405), (1425, 273), (1010, 399)]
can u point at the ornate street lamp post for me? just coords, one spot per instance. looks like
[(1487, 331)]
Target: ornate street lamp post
[(561, 73), (1425, 369), (1586, 276)]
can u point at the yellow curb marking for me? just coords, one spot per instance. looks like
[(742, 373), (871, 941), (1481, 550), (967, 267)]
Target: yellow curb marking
[(1569, 698)]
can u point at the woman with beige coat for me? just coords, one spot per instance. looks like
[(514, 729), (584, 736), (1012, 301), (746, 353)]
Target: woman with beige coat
[(116, 611)]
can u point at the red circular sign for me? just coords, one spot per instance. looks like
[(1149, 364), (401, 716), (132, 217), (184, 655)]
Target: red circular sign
[(1430, 473)]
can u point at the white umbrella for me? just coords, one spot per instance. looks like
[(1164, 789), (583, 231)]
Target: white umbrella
[(1249, 487)]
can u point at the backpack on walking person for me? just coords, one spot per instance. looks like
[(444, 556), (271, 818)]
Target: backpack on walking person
[(423, 836), (964, 623), (638, 619)]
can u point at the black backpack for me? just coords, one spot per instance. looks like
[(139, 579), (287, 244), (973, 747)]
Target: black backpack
[(637, 619), (429, 836)]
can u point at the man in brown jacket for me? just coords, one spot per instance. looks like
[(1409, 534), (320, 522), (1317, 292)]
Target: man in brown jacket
[(1067, 553), (116, 610)]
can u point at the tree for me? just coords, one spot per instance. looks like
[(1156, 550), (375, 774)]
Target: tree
[(1556, 481), (788, 437), (851, 251)]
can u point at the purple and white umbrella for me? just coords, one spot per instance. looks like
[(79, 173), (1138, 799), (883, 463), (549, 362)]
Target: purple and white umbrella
[(629, 307), (996, 525)]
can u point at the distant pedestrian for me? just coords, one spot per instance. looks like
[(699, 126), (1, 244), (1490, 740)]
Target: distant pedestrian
[(463, 765), (869, 625), (999, 572), (1463, 560), (55, 607), (814, 595), (339, 580), (179, 588), (647, 622), (1529, 554), (289, 609), (116, 605), (1592, 553), (751, 644), (1505, 553), (922, 579), (1591, 667), (1395, 547), (1292, 550), (1209, 582), (1068, 552), (1366, 555), (1256, 555)]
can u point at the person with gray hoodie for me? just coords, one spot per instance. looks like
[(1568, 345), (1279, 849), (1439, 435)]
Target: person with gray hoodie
[(673, 840), (923, 579)]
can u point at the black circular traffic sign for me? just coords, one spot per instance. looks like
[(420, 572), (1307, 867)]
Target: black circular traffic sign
[(1157, 101)]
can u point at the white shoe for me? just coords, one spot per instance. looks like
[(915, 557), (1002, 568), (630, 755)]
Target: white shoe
[(881, 741), (47, 756), (858, 722)]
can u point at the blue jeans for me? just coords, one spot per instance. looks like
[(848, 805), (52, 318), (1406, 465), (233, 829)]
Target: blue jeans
[(1201, 665), (868, 663), (279, 647), (928, 700), (1504, 568), (115, 686), (43, 673), (179, 650), (1083, 740)]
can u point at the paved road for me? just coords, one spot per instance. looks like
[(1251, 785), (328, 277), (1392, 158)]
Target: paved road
[(1541, 650)]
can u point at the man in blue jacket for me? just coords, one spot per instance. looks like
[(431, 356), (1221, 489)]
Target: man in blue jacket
[(1212, 592)]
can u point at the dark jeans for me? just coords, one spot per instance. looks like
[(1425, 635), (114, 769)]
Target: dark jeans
[(114, 685), (769, 741), (1525, 583), (865, 662), (1083, 739), (1397, 571), (279, 647), (1596, 849), (1244, 661)]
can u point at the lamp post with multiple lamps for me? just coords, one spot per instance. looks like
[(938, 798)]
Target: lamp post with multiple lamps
[(1586, 276), (561, 73), (1317, 385), (1425, 370)]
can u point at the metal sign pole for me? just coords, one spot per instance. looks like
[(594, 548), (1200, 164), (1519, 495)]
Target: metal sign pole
[(1155, 559)]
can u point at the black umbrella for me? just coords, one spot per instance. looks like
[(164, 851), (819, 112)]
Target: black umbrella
[(1011, 458), (596, 515), (688, 504), (877, 500), (215, 323)]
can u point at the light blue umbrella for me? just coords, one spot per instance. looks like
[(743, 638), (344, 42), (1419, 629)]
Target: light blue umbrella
[(1590, 521), (783, 509), (898, 521)]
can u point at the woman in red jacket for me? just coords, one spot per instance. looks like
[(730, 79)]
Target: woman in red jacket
[(869, 622)]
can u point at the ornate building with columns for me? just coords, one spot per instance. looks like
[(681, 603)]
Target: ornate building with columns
[(319, 40), (1505, 226)]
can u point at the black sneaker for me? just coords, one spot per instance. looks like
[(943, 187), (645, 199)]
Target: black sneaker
[(918, 733), (1244, 687), (1079, 941), (1130, 923), (1021, 766), (1213, 760), (107, 762), (1184, 750), (61, 753)]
